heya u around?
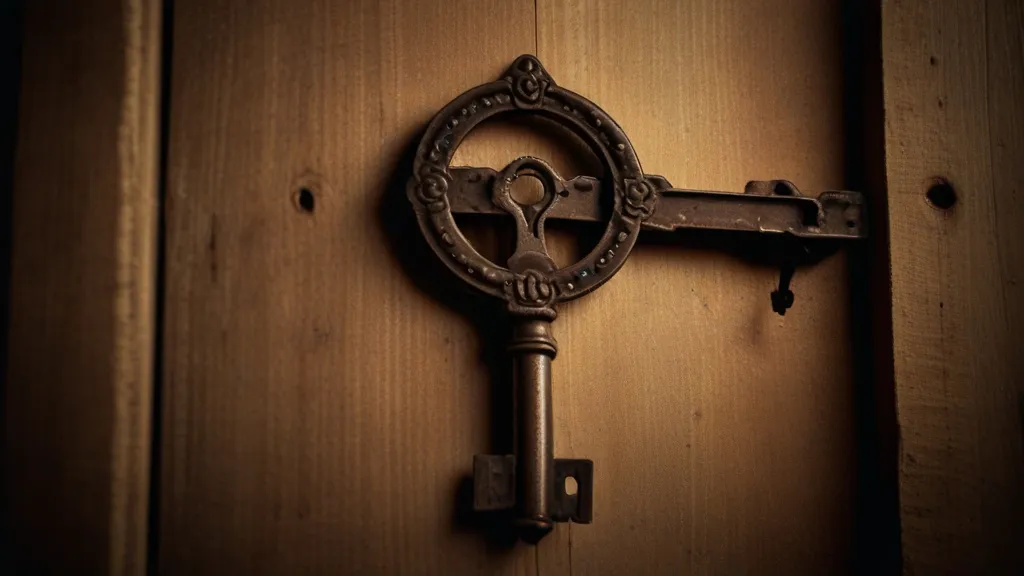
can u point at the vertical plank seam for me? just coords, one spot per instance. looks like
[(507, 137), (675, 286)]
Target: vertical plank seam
[(569, 528), (992, 163), (164, 13), (536, 29)]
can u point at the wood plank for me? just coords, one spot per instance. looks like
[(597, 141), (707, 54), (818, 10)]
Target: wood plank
[(82, 287), (954, 93), (321, 410), (722, 434), (323, 394)]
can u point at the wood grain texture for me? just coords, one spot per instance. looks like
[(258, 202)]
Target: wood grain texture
[(721, 433), (320, 410), (321, 405), (78, 401), (954, 98)]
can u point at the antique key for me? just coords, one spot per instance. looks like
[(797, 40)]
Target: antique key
[(531, 481)]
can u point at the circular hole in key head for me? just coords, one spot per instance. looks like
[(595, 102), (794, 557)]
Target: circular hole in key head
[(527, 189), (570, 486)]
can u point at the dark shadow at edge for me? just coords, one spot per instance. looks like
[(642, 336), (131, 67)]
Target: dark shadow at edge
[(876, 529), (153, 525), (11, 14)]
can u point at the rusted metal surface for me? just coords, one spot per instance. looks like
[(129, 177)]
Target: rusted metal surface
[(531, 481), (576, 507), (533, 348), (494, 487), (769, 207), (529, 282)]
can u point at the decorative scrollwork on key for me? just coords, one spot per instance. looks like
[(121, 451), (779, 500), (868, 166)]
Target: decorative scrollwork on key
[(432, 187), (532, 294), (529, 81), (640, 198)]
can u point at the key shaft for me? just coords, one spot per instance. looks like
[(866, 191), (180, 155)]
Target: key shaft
[(533, 348)]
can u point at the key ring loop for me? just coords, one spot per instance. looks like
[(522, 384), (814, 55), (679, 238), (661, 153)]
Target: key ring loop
[(530, 291)]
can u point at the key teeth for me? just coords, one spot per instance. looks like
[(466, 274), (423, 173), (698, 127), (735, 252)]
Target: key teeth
[(494, 489), (576, 507)]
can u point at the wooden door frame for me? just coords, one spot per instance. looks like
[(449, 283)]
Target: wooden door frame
[(78, 393)]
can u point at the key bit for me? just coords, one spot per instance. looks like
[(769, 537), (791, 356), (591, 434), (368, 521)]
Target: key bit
[(531, 481)]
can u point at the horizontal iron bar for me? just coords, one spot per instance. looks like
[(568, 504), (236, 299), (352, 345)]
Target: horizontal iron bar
[(765, 207)]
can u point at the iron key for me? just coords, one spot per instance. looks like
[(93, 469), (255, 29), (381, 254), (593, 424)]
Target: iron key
[(531, 481)]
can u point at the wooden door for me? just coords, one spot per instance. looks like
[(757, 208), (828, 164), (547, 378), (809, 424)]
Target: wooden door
[(319, 394), (320, 409)]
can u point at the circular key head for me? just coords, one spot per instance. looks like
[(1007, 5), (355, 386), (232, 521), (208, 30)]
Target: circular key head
[(529, 282)]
